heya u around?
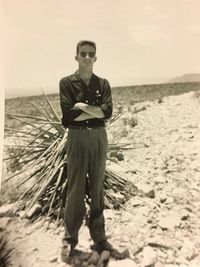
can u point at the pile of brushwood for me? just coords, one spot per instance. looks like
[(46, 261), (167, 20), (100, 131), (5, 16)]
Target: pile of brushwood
[(39, 155)]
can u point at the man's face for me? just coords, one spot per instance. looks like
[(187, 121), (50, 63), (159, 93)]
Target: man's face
[(86, 56)]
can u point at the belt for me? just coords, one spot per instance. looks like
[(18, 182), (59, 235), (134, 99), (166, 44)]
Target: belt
[(85, 127)]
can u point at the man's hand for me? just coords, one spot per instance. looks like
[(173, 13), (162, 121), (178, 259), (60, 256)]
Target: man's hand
[(94, 111), (80, 105)]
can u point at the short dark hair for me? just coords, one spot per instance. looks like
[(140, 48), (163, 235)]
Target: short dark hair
[(85, 42)]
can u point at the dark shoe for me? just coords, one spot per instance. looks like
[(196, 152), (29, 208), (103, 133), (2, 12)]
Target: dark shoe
[(114, 253), (67, 252), (101, 246)]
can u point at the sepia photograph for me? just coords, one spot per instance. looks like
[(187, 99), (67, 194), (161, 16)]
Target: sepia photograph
[(100, 138)]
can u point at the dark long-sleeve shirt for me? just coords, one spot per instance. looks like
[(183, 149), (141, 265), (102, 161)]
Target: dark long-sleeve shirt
[(97, 93)]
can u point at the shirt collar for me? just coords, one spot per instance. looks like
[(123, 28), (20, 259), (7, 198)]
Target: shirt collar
[(75, 77)]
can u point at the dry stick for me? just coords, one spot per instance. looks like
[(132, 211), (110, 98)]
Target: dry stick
[(35, 184), (56, 187), (48, 159), (42, 174), (43, 188), (119, 146), (47, 166), (56, 124), (25, 161), (29, 149), (20, 172), (53, 112), (39, 144), (33, 125), (107, 203), (29, 117), (60, 128), (12, 176), (53, 123), (27, 179), (34, 139), (45, 114), (44, 143), (115, 118), (57, 135), (19, 154), (46, 111), (18, 131), (51, 107), (25, 116), (35, 146), (27, 142), (13, 157), (25, 122), (50, 148), (23, 138), (40, 128), (53, 192), (62, 144)]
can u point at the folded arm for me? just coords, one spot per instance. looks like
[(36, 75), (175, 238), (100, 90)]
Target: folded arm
[(90, 111), (81, 111), (83, 116), (104, 111)]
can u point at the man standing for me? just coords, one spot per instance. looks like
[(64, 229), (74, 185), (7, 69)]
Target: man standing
[(86, 103)]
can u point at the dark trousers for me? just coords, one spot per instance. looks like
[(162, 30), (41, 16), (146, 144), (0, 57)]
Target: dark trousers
[(86, 155)]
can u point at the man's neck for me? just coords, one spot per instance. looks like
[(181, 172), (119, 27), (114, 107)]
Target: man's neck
[(85, 75)]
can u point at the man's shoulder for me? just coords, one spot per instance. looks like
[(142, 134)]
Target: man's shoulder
[(71, 77), (101, 79)]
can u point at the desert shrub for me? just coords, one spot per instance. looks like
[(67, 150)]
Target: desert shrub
[(197, 95), (133, 121), (124, 132), (130, 120), (131, 103), (119, 109), (129, 108), (14, 161), (5, 251), (10, 193)]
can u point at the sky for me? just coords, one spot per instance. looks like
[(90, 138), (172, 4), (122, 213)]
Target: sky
[(138, 42)]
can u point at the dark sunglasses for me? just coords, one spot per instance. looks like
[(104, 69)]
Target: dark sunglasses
[(90, 54)]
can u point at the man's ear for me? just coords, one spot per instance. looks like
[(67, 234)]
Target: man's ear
[(76, 58), (95, 59)]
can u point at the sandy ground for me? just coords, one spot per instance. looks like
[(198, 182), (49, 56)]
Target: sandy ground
[(158, 231)]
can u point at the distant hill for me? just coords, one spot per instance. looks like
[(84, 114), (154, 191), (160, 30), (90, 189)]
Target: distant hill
[(186, 78)]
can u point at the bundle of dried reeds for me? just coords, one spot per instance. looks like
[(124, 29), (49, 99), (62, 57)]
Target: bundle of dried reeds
[(41, 155)]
